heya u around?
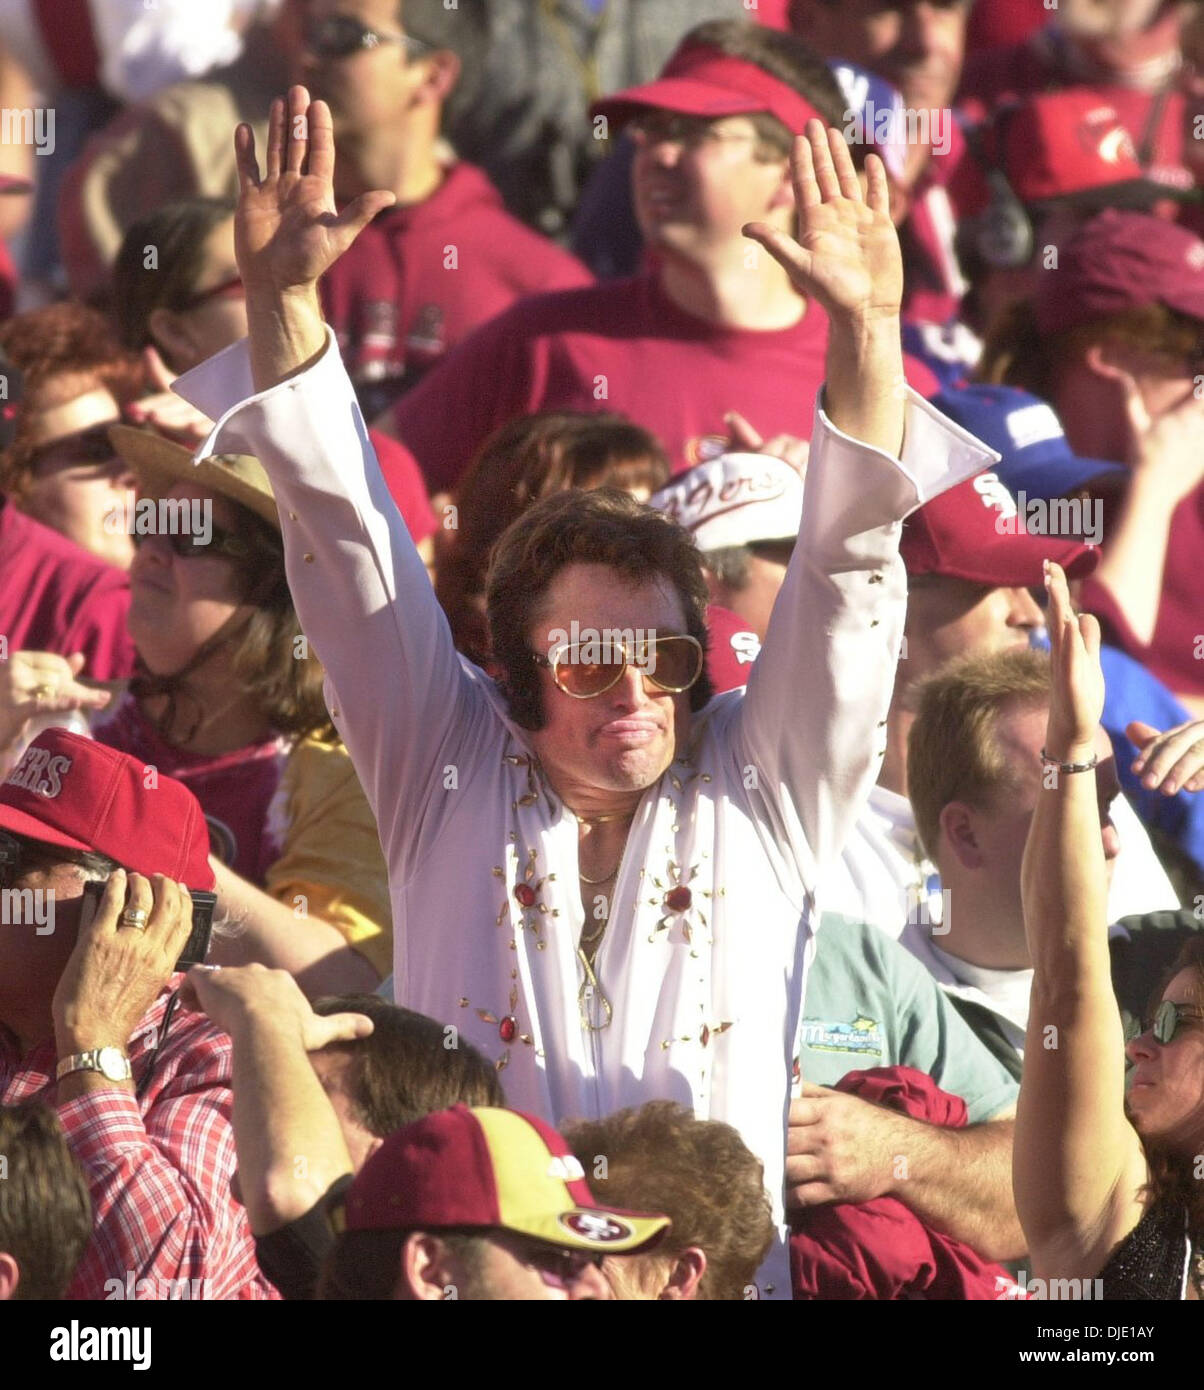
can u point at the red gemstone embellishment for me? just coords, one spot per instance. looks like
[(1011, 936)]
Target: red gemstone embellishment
[(507, 1028), (678, 899), (705, 1036), (525, 894)]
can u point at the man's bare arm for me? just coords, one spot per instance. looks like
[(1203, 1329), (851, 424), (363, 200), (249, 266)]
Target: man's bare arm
[(841, 1148)]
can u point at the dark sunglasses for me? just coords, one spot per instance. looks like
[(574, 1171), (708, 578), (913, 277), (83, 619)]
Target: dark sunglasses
[(228, 289), (558, 1267), (187, 547), (88, 446), (1167, 1018), (586, 669), (341, 35)]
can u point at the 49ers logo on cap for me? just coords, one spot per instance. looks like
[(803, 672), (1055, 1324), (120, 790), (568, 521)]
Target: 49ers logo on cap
[(40, 772), (596, 1226)]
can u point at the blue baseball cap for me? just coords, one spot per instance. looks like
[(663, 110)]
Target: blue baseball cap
[(876, 113), (1026, 432)]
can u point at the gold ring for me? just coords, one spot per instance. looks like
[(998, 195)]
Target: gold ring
[(43, 692), (135, 917)]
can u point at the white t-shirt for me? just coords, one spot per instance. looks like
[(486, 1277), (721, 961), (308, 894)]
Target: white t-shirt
[(884, 877)]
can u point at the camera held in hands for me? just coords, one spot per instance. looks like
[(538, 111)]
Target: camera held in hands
[(196, 948)]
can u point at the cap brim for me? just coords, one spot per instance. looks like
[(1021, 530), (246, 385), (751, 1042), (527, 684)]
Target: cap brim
[(22, 823), (1130, 195), (571, 1229), (1018, 561), (160, 465), (676, 94), (1050, 480)]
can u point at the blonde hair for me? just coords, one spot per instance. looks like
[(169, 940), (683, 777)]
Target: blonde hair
[(953, 751)]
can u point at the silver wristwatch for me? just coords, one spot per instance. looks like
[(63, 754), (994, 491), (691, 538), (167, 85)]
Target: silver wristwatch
[(111, 1062)]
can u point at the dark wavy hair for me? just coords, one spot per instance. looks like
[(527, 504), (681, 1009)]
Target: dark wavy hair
[(602, 527), (529, 458)]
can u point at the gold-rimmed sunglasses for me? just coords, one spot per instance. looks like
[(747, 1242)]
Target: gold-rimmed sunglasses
[(584, 670)]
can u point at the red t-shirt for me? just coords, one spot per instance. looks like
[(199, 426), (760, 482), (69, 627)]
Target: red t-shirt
[(235, 789), (406, 486), (419, 279), (732, 649), (1003, 75), (1174, 654), (56, 597), (622, 346)]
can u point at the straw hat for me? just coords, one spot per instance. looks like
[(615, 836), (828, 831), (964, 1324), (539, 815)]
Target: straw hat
[(159, 465)]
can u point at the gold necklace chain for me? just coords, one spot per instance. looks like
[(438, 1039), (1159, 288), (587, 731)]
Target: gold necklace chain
[(593, 882)]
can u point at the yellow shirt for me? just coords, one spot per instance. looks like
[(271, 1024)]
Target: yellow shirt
[(330, 864)]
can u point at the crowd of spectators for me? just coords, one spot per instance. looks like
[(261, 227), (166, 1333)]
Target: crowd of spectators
[(599, 694)]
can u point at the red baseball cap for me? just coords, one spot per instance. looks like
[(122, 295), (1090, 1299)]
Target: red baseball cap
[(699, 80), (1118, 261), (488, 1167), (78, 794), (973, 531), (1072, 145)]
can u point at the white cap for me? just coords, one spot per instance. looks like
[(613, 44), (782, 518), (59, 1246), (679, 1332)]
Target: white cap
[(736, 499)]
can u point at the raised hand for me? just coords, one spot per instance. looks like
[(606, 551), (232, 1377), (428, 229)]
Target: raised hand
[(847, 253), (287, 230), (1077, 693)]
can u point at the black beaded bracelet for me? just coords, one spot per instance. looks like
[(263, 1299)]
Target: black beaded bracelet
[(1069, 767)]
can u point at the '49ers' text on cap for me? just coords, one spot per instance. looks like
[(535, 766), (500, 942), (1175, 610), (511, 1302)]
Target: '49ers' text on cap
[(80, 795)]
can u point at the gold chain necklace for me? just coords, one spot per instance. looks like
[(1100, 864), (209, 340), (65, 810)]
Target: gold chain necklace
[(593, 882)]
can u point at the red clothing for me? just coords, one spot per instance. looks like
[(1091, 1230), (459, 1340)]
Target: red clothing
[(158, 1166), (623, 346), (419, 279), (881, 1249), (56, 597), (1173, 656), (235, 789), (994, 78), (404, 480), (993, 23), (932, 277), (732, 649)]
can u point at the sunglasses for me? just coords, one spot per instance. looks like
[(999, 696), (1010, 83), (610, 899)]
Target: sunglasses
[(556, 1266), (1167, 1018), (87, 447), (188, 547), (691, 132), (232, 288), (586, 669), (341, 35)]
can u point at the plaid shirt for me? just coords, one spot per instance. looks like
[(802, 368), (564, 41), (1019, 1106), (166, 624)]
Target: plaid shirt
[(158, 1166)]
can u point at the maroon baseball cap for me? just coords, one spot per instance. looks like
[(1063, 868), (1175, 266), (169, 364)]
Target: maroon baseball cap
[(80, 795), (974, 531), (699, 80), (1072, 145), (489, 1168), (1122, 260)]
